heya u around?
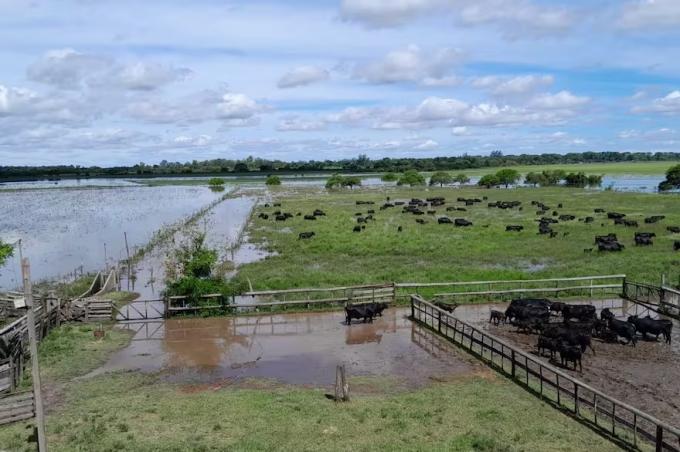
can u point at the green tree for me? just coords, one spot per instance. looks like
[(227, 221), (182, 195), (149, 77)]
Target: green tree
[(390, 177), (595, 180), (273, 180), (488, 181), (461, 179), (672, 179), (576, 180), (5, 252), (216, 182), (507, 176), (335, 181), (351, 181), (533, 178), (552, 177), (441, 178), (411, 178)]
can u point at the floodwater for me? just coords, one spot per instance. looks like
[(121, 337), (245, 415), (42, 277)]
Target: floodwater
[(644, 376), (63, 229), (290, 348), (223, 226)]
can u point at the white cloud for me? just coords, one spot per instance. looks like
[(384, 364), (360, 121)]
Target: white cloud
[(410, 64), (558, 101), (72, 70), (460, 131), (193, 141), (650, 14), (436, 108), (237, 106), (516, 17), (669, 104), (513, 86), (427, 145), (297, 124), (302, 76)]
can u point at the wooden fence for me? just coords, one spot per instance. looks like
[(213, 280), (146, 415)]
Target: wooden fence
[(661, 299), (476, 291), (617, 420), (17, 407)]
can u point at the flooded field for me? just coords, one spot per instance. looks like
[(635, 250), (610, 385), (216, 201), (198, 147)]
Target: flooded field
[(644, 376), (64, 229), (290, 348)]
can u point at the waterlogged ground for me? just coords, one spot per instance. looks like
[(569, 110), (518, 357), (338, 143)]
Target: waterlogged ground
[(644, 376), (290, 348), (63, 229)]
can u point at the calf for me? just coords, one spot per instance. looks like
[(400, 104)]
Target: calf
[(547, 343), (496, 317), (356, 228), (570, 354), (306, 235)]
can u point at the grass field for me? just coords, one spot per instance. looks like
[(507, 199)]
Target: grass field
[(135, 412), (434, 252)]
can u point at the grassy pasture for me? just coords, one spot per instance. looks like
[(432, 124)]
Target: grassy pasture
[(434, 252)]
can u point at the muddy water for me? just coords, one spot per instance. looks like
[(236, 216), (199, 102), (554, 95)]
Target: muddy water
[(291, 348), (644, 376)]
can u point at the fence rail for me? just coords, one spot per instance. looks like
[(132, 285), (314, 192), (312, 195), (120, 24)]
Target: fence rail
[(661, 299), (17, 407), (618, 420)]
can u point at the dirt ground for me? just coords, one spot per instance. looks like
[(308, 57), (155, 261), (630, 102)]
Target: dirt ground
[(645, 376)]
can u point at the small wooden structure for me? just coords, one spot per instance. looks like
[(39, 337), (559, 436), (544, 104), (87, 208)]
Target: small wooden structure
[(341, 384)]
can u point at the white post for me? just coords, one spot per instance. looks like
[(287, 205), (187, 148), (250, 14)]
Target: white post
[(33, 345)]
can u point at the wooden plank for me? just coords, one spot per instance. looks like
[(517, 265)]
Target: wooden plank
[(18, 418)]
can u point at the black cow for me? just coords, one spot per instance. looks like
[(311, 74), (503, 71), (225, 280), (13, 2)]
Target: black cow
[(378, 308), (356, 228), (570, 354), (673, 229), (557, 306), (654, 219), (420, 221), (444, 220), (364, 312), (264, 216), (588, 219), (319, 213), (399, 229), (644, 238), (310, 217), (306, 235), (496, 317), (579, 311), (514, 228), (547, 343), (619, 327), (676, 245), (281, 218), (461, 222), (615, 215), (566, 217), (651, 326)]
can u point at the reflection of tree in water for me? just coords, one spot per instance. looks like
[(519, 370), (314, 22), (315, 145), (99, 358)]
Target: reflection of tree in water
[(202, 343), (371, 332)]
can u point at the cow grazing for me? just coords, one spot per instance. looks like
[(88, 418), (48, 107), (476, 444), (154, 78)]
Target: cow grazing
[(615, 215), (310, 217), (263, 216), (651, 326), (654, 219), (676, 245), (644, 238), (608, 242), (599, 210), (496, 317), (461, 222), (281, 218), (319, 213), (420, 221), (356, 228), (588, 219), (444, 220), (567, 217), (570, 354), (399, 229), (306, 235), (673, 229), (514, 228)]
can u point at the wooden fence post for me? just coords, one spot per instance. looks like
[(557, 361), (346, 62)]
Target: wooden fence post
[(512, 355), (413, 310), (659, 438), (341, 385), (439, 321)]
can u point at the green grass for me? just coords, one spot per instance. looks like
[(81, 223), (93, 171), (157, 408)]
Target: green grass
[(435, 253), (609, 169), (122, 297), (137, 413), (72, 350)]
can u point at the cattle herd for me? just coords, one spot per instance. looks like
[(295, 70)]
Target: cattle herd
[(568, 330), (424, 209)]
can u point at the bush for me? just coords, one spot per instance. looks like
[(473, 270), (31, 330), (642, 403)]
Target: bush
[(390, 177), (273, 180), (507, 176), (216, 182), (488, 181), (337, 181), (461, 179), (5, 252), (672, 179), (411, 178)]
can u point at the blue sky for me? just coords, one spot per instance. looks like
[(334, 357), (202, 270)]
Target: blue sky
[(118, 82)]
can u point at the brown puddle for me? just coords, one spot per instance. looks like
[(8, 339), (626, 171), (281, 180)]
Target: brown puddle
[(291, 348)]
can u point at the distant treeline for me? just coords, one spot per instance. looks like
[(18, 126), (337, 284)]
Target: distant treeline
[(359, 165)]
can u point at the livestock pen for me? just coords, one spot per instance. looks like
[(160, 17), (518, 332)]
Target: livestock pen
[(623, 423)]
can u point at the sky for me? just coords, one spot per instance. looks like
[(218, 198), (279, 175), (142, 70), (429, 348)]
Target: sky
[(109, 82)]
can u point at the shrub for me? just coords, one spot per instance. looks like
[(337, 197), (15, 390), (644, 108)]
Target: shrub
[(390, 177), (507, 176), (672, 179), (216, 182), (461, 179), (488, 181), (441, 178), (273, 180), (411, 178)]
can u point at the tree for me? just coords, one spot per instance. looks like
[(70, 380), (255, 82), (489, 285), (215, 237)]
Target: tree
[(488, 181), (672, 179), (441, 178), (273, 180), (5, 252), (576, 180), (411, 178), (507, 176), (595, 180), (390, 177), (533, 179), (552, 177), (351, 181), (335, 181), (241, 167), (461, 179)]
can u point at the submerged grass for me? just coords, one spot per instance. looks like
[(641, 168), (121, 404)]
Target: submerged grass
[(432, 252)]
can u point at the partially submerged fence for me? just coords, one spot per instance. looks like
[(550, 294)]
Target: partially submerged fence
[(662, 299), (616, 419)]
